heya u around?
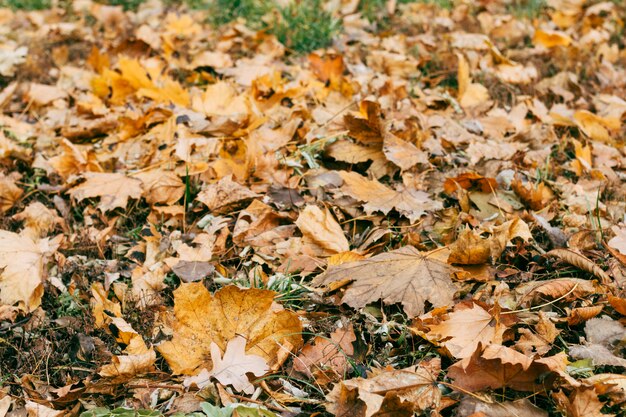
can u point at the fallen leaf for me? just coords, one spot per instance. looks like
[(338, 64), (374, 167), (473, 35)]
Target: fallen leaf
[(10, 193), (402, 153), (320, 229), (400, 392), (201, 319), (39, 219), (377, 197), (225, 193), (465, 328), (367, 130), (325, 359), (497, 366), (404, 276), (618, 242), (137, 359), (161, 187), (23, 269), (580, 261), (114, 189), (472, 407), (232, 368), (582, 402)]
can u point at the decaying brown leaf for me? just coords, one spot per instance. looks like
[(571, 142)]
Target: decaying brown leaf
[(404, 276)]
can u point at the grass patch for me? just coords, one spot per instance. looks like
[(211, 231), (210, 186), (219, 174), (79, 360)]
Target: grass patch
[(26, 4), (529, 9)]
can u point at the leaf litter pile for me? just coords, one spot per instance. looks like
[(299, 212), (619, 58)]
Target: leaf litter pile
[(424, 218)]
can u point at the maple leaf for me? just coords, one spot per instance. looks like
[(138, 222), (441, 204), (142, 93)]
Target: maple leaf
[(465, 328), (402, 153), (161, 187), (202, 319), (399, 392), (377, 197), (582, 402), (22, 268), (114, 189), (404, 276), (9, 193)]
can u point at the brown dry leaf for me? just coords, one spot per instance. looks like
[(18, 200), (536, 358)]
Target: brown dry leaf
[(222, 195), (377, 197), (581, 314), (41, 94), (114, 189), (320, 229), (137, 359), (161, 187), (465, 328), (611, 385), (535, 196), (618, 303), (201, 319), (39, 219), (402, 153), (596, 127), (570, 288), (498, 366), (470, 248), (22, 269), (470, 94), (582, 402), (472, 407), (325, 359), (10, 193), (400, 392), (470, 180), (368, 129), (404, 275), (538, 342), (582, 262)]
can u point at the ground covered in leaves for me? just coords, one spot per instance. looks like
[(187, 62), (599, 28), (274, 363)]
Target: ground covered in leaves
[(422, 216)]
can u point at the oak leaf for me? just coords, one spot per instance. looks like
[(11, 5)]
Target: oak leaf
[(404, 276), (232, 368), (114, 189), (22, 268), (201, 319)]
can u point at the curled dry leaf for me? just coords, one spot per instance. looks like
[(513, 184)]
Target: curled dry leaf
[(580, 261), (23, 269), (114, 189), (137, 359), (404, 276), (569, 288), (320, 229), (201, 319), (401, 392)]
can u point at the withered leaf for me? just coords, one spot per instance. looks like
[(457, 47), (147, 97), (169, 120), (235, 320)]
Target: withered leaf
[(404, 275), (224, 194), (114, 189)]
